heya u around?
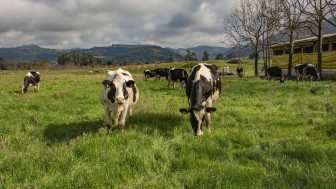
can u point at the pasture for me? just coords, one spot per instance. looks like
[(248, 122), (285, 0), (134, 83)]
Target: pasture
[(264, 135)]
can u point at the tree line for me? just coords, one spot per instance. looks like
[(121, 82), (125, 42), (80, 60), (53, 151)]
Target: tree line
[(259, 24)]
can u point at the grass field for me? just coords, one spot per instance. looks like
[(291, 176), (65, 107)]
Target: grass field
[(264, 135)]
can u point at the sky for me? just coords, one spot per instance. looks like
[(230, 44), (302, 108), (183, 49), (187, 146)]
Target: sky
[(66, 24)]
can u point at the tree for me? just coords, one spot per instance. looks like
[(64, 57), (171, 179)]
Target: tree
[(244, 27), (205, 55), (219, 56), (193, 57), (318, 12), (292, 24), (171, 58), (188, 56)]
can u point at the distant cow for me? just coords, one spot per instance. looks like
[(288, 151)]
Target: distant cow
[(240, 71), (203, 88), (177, 75), (31, 78), (275, 72), (149, 73), (119, 94), (162, 72), (307, 70)]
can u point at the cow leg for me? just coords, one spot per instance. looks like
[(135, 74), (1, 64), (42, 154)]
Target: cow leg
[(116, 120), (35, 87), (208, 121), (208, 117), (130, 111), (123, 118), (108, 119)]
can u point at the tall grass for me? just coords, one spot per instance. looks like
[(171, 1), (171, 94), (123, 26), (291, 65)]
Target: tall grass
[(265, 135)]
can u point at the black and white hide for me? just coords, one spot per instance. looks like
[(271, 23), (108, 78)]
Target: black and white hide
[(32, 78), (240, 71), (202, 89), (275, 72), (118, 94), (149, 73), (177, 75), (306, 70)]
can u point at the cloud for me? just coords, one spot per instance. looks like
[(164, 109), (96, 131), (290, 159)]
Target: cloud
[(85, 23)]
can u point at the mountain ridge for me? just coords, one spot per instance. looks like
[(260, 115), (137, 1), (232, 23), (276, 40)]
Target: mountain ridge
[(114, 52)]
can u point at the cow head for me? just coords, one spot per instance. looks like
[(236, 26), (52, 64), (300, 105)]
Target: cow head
[(26, 82), (118, 88), (197, 116)]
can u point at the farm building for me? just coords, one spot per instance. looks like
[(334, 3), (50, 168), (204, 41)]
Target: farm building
[(305, 51)]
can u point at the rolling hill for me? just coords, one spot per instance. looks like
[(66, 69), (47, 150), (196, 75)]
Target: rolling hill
[(131, 53)]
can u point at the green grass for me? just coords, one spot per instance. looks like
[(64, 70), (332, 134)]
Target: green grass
[(264, 135)]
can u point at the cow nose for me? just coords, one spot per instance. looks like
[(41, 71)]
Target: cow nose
[(120, 100)]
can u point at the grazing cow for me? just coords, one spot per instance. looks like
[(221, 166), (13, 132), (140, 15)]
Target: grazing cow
[(177, 75), (275, 72), (118, 94), (149, 73), (240, 71), (307, 70), (162, 72), (31, 78), (203, 88)]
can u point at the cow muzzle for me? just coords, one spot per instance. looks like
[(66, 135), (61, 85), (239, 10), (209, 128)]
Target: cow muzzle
[(120, 100)]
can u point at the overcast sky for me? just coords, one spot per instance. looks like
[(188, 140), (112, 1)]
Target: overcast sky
[(65, 24)]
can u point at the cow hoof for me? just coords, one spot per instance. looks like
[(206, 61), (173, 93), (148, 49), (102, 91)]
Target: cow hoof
[(199, 133)]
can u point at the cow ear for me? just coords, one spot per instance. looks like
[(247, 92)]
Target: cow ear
[(130, 83), (106, 83), (184, 110), (210, 109)]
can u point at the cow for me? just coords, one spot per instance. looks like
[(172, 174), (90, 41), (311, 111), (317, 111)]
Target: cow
[(307, 70), (118, 94), (240, 71), (148, 74), (202, 89), (32, 78), (162, 72), (177, 75), (275, 72)]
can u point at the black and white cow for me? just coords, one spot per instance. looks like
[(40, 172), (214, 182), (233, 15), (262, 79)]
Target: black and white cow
[(32, 78), (162, 72), (118, 94), (149, 73), (307, 70), (240, 71), (177, 75), (275, 72), (203, 88)]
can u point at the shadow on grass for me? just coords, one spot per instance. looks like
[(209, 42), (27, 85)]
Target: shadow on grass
[(144, 122), (152, 122), (55, 133)]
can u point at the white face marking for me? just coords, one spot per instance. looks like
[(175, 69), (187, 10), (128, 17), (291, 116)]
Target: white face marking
[(118, 82), (204, 71), (199, 115)]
